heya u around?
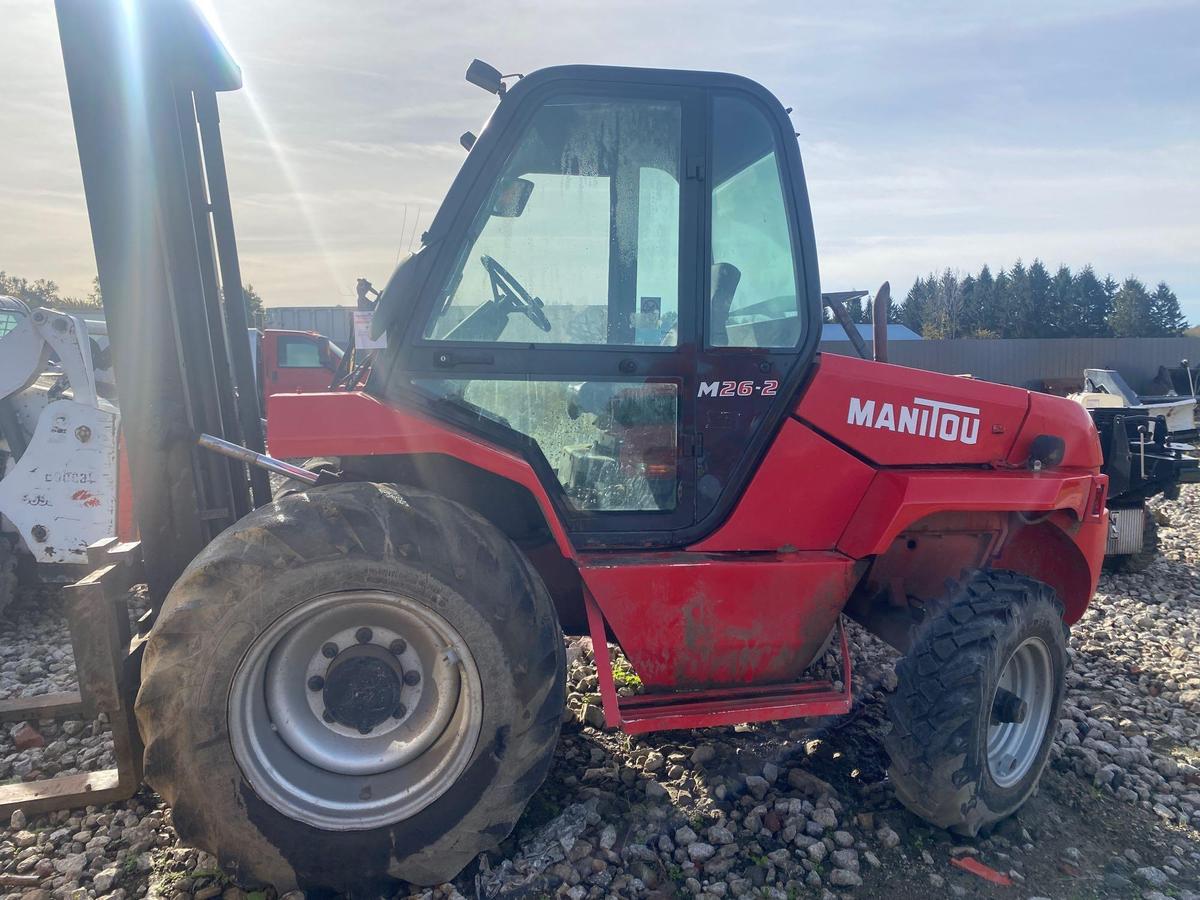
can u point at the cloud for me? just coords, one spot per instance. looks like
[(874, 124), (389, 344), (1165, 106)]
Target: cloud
[(934, 133), (400, 149)]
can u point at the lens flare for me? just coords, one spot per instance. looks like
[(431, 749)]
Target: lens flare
[(278, 150)]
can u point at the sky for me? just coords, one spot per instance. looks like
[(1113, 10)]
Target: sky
[(934, 134)]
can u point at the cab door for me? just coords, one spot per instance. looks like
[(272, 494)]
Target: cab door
[(758, 327), (297, 362), (562, 309)]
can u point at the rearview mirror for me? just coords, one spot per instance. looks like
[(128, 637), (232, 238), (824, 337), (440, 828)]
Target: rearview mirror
[(487, 77), (511, 198)]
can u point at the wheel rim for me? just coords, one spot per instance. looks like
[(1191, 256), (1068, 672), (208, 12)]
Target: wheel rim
[(355, 710), (1013, 746)]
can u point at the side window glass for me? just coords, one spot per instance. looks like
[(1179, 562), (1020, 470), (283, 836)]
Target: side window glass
[(612, 444), (298, 353), (754, 301), (578, 241)]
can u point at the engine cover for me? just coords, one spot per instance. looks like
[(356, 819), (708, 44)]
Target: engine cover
[(895, 416)]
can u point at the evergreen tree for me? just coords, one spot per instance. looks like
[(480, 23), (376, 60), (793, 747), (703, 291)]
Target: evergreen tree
[(1165, 312), (1110, 288), (855, 308), (1001, 308), (912, 309), (1094, 304), (1065, 309), (969, 321), (943, 307), (1039, 318), (1018, 308), (1132, 314), (985, 305)]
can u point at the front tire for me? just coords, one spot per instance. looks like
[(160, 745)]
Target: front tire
[(979, 693), (354, 685)]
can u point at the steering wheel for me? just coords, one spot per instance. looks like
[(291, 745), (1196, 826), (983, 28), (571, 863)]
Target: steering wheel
[(510, 294)]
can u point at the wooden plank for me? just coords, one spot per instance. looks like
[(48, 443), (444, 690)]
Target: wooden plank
[(65, 792), (97, 550), (42, 706)]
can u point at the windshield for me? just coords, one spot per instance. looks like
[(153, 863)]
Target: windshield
[(578, 240)]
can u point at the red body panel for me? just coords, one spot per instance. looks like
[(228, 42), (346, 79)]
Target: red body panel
[(802, 496), (725, 706), (1065, 554), (293, 379), (1066, 419), (897, 498), (691, 620), (895, 416), (355, 424)]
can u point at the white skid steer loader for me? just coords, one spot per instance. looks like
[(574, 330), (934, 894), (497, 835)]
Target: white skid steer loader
[(58, 444)]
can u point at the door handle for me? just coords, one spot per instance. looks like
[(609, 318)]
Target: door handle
[(448, 359)]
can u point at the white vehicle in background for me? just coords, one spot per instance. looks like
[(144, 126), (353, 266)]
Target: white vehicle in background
[(1106, 389), (58, 440), (1148, 451)]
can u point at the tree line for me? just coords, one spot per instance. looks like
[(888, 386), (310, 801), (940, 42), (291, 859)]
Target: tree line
[(1030, 302), (44, 292)]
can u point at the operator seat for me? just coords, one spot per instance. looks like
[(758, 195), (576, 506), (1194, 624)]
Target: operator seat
[(725, 278)]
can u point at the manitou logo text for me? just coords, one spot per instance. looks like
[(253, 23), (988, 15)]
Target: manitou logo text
[(925, 418)]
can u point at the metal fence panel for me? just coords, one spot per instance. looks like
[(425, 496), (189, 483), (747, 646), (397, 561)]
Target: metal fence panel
[(332, 321), (1028, 362)]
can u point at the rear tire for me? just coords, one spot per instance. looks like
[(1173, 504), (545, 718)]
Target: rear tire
[(952, 763), (282, 486), (381, 552)]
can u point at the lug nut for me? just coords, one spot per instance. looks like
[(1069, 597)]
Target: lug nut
[(398, 646), (364, 729), (330, 650), (316, 683), (364, 635), (401, 712), (327, 716), (411, 677)]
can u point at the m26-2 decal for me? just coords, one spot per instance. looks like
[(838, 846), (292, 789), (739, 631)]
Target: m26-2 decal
[(767, 388)]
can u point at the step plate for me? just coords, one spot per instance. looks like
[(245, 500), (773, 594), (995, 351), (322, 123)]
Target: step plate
[(724, 706)]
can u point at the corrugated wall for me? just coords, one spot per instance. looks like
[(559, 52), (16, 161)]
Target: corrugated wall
[(331, 321), (1024, 361)]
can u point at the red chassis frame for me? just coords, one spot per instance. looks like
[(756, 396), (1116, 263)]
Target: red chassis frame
[(720, 632)]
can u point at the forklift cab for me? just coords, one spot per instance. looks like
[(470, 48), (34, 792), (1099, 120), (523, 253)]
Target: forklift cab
[(622, 285)]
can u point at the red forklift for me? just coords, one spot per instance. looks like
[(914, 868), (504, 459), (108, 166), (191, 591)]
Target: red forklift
[(601, 411)]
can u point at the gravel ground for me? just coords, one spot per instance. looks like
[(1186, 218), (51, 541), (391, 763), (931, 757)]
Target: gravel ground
[(779, 810)]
